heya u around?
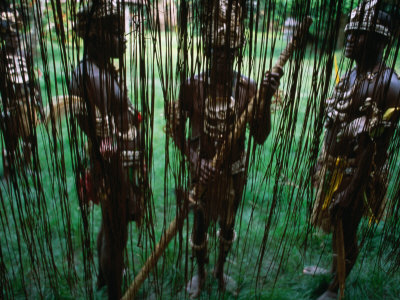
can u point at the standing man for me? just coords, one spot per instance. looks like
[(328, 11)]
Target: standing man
[(20, 92), (111, 124), (213, 101), (360, 120)]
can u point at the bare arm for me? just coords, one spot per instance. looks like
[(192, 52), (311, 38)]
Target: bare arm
[(117, 104), (179, 112), (260, 127)]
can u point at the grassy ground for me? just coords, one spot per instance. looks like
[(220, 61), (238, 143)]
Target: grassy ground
[(368, 280)]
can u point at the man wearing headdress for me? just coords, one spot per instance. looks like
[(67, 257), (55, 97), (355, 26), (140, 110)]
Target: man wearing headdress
[(361, 117), (213, 101), (20, 92), (112, 127)]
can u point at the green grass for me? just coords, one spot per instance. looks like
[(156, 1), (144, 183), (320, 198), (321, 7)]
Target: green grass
[(367, 281)]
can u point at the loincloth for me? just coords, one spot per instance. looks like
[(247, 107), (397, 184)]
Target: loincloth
[(128, 169), (333, 177), (223, 194)]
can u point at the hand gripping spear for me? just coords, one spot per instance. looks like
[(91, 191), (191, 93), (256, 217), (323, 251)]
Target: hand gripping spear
[(217, 161)]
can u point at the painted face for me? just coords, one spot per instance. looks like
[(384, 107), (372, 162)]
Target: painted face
[(223, 59), (362, 44), (114, 44), (356, 42)]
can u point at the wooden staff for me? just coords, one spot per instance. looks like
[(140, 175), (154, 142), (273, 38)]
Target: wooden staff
[(59, 107), (199, 189), (341, 257)]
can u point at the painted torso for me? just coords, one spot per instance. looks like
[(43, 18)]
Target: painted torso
[(358, 104), (213, 113)]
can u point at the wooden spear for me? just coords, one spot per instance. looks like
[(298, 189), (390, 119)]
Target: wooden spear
[(199, 189)]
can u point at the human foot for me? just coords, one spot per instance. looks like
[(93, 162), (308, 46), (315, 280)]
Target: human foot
[(195, 286), (328, 295), (226, 283)]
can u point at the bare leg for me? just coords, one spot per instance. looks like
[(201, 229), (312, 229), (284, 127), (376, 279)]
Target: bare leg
[(11, 136), (6, 163), (28, 144), (10, 155), (226, 237), (351, 252), (351, 219), (114, 232), (227, 234), (111, 261), (100, 277), (199, 245)]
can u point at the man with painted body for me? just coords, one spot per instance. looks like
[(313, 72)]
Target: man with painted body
[(20, 93), (213, 101), (360, 121), (111, 124)]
